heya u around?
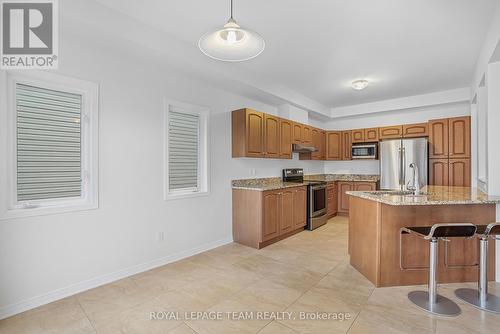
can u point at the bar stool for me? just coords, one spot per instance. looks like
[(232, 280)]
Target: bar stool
[(430, 300), (480, 298)]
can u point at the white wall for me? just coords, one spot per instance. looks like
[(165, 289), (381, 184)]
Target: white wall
[(414, 115), (39, 256)]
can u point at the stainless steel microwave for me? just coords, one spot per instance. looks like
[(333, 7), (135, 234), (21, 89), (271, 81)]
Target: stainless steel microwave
[(364, 151)]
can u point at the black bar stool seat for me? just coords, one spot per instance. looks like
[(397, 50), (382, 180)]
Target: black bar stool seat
[(430, 300), (480, 298)]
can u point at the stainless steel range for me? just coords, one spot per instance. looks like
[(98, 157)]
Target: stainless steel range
[(316, 197)]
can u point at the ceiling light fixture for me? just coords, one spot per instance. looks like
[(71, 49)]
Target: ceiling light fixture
[(359, 84), (232, 43)]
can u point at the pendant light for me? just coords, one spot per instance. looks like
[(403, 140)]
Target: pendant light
[(232, 43)]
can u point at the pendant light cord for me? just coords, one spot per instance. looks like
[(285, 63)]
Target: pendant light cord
[(231, 8)]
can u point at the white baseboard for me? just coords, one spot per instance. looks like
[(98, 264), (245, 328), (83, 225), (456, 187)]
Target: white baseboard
[(28, 304)]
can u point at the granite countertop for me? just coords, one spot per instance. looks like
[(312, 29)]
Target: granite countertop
[(274, 183), (430, 195)]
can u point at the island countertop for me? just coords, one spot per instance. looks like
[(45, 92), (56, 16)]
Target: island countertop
[(274, 183), (430, 195)]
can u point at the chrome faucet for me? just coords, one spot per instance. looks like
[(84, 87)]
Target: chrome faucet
[(415, 182)]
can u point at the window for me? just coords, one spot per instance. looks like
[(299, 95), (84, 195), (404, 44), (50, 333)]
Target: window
[(52, 138), (186, 150)]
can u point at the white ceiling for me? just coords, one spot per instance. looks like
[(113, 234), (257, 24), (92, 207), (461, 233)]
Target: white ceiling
[(317, 47)]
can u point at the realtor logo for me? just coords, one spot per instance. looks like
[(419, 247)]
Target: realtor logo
[(29, 34)]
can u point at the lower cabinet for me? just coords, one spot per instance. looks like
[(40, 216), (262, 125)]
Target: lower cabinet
[(331, 194), (263, 217), (343, 198)]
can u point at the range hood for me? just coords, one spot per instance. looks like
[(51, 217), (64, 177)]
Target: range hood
[(303, 149)]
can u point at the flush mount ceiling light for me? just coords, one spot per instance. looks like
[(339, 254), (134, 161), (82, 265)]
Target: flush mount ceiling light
[(359, 84), (232, 43)]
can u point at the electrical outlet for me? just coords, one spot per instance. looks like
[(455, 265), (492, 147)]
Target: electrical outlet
[(160, 236)]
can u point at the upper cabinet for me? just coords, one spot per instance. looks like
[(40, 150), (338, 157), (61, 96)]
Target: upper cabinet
[(286, 128), (306, 135), (459, 137), (322, 146), (358, 136), (247, 133), (390, 132), (371, 135), (346, 145), (297, 133), (415, 130), (271, 136), (316, 142), (438, 138), (334, 145)]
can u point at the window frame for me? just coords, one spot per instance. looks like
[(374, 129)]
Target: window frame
[(203, 188), (10, 206)]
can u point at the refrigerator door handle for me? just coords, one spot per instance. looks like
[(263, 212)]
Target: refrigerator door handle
[(403, 183), (400, 159)]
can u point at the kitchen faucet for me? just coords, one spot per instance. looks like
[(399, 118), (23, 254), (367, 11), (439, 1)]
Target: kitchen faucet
[(415, 187)]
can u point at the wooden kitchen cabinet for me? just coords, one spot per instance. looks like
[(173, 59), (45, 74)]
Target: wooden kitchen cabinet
[(316, 142), (438, 172), (364, 186), (322, 146), (331, 193), (346, 145), (306, 135), (247, 133), (299, 209), (297, 133), (343, 198), (459, 173), (334, 145), (415, 130), (459, 137), (286, 129), (390, 132), (371, 135), (438, 138), (358, 136), (271, 136), (271, 214), (264, 217)]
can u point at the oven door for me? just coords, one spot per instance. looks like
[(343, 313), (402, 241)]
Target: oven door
[(318, 200)]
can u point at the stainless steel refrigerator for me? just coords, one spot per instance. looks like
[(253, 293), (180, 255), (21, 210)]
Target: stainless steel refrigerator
[(395, 158)]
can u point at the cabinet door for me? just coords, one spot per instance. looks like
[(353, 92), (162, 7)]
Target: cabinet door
[(285, 139), (306, 135), (438, 139), (287, 214), (297, 133), (371, 135), (365, 186), (331, 200), (415, 130), (299, 208), (343, 199), (322, 146), (333, 145), (459, 137), (438, 172), (255, 133), (390, 132), (271, 137), (358, 136), (316, 142), (459, 172), (346, 145), (272, 214)]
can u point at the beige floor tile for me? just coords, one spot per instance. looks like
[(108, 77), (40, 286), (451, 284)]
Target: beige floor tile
[(277, 328), (182, 329), (62, 317)]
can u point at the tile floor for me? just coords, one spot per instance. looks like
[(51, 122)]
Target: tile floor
[(306, 273)]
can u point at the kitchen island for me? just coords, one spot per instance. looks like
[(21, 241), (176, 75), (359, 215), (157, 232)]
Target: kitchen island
[(388, 258)]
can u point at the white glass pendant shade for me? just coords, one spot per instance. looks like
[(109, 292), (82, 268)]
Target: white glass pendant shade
[(232, 43)]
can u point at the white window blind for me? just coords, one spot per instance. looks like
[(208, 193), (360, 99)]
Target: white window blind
[(48, 143), (183, 150)]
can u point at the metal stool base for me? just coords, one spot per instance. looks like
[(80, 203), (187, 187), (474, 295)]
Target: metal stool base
[(471, 296), (444, 306)]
